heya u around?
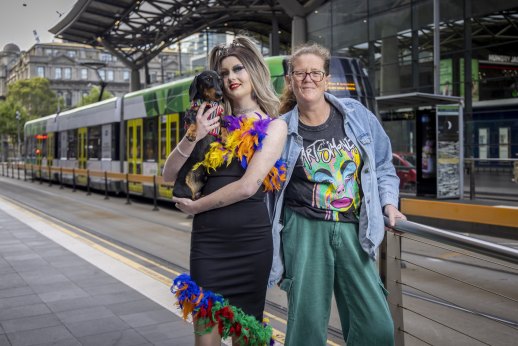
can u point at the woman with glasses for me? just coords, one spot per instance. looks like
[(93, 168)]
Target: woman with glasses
[(340, 182)]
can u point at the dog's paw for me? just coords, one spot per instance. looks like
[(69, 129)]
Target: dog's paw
[(191, 136)]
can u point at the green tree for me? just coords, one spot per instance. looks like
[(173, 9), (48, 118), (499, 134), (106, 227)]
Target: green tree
[(34, 96), (11, 123), (93, 96)]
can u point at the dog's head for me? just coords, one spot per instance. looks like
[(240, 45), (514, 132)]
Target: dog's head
[(207, 86)]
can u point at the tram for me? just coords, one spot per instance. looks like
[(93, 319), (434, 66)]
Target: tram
[(135, 133)]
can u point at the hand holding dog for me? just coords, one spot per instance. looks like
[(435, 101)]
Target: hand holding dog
[(186, 205), (204, 124)]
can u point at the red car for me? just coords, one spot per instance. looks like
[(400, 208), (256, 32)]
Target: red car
[(405, 170)]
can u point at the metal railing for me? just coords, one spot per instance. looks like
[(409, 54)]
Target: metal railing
[(449, 289)]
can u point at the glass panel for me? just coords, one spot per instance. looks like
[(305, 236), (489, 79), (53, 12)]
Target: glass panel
[(94, 143), (138, 130), (483, 140), (72, 144), (174, 134), (115, 141), (150, 139), (163, 138), (503, 142), (131, 153)]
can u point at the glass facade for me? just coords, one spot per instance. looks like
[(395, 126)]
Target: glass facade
[(394, 39)]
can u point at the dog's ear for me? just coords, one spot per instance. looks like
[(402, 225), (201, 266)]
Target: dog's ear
[(193, 90)]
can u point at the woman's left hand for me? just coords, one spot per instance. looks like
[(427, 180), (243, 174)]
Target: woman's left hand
[(392, 213), (186, 205)]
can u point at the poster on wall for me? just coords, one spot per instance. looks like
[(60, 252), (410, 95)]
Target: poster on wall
[(446, 78), (449, 152)]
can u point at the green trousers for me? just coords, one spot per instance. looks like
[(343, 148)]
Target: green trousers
[(322, 257)]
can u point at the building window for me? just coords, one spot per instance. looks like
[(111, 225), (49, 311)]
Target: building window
[(125, 75), (153, 77), (68, 99), (84, 73), (48, 52), (40, 71), (102, 73), (110, 75), (57, 73), (67, 72), (71, 53), (105, 57)]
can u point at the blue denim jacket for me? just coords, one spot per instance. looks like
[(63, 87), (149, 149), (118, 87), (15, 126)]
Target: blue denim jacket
[(379, 182)]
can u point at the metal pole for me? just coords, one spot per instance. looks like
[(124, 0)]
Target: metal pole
[(155, 207), (436, 47), (180, 58), (88, 193), (472, 179), (105, 185), (18, 118), (127, 190)]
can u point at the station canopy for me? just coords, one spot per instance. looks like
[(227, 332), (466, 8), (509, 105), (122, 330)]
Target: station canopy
[(137, 30), (415, 100)]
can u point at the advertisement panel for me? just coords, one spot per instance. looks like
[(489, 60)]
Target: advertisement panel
[(449, 152)]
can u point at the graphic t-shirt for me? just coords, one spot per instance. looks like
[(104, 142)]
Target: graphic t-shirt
[(325, 183)]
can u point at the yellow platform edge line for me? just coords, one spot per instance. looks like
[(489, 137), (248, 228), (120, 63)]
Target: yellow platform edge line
[(483, 214)]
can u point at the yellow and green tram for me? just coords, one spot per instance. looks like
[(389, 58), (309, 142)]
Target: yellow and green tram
[(134, 134)]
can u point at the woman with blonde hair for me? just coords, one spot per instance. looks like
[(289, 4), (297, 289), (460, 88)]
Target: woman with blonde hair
[(231, 241)]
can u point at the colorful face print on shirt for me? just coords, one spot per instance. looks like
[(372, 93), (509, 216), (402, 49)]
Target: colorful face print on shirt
[(333, 167)]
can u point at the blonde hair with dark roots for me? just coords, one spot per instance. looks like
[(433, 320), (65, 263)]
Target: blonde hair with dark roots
[(244, 49), (288, 100)]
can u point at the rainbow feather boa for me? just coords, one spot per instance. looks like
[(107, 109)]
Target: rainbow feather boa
[(245, 136), (210, 309)]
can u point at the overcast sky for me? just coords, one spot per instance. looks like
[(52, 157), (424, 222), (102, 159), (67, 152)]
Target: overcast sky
[(17, 21)]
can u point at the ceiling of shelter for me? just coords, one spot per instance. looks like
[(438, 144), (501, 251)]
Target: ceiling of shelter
[(137, 30), (496, 33)]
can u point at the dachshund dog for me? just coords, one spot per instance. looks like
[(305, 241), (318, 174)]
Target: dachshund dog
[(207, 86)]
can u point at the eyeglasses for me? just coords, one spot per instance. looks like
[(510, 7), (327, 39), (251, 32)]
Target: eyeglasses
[(316, 76)]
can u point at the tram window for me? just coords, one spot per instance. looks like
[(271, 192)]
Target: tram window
[(150, 139), (94, 142), (115, 141), (163, 137), (58, 145), (174, 135), (72, 144), (63, 144), (44, 147)]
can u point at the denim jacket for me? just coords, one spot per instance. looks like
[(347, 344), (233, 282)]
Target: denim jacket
[(379, 182)]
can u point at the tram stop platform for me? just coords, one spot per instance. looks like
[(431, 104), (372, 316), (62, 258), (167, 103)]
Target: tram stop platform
[(58, 290)]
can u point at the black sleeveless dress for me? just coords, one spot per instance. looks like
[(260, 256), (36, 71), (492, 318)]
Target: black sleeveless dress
[(231, 247)]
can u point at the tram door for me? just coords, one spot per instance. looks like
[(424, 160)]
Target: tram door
[(134, 151), (81, 147), (169, 138), (39, 151)]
